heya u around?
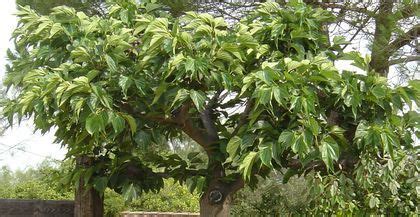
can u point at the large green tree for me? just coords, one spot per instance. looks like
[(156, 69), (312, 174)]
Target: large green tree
[(263, 95)]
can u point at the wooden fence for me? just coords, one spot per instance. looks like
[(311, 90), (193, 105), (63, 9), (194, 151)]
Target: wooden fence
[(36, 208)]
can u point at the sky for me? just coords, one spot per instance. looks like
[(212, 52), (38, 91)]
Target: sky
[(20, 148)]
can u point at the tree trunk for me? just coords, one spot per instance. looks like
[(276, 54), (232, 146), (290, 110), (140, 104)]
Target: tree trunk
[(384, 25), (88, 202), (208, 208), (217, 199)]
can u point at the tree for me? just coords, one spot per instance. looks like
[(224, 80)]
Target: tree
[(261, 96), (90, 7)]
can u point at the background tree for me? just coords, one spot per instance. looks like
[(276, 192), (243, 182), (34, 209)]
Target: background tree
[(262, 95), (90, 7)]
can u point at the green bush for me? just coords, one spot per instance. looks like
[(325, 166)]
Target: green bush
[(272, 198), (172, 198)]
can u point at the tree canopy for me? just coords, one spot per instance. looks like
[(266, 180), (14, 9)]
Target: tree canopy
[(261, 95)]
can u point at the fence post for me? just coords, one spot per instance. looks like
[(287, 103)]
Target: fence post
[(88, 202)]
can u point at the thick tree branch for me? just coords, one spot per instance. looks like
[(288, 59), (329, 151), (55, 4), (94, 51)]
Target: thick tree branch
[(237, 184), (184, 121), (244, 116), (404, 60), (404, 39), (207, 119)]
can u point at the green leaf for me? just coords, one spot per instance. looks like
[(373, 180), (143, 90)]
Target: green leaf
[(96, 123), (378, 91), (233, 146), (265, 76), (329, 151), (118, 123), (263, 95), (180, 97), (300, 147), (280, 94), (129, 192), (287, 138), (55, 29), (265, 154), (198, 99), (373, 202), (131, 122), (313, 124), (339, 40), (159, 91), (247, 164), (156, 42), (100, 184), (143, 139), (111, 63), (200, 184), (80, 54), (125, 82), (388, 143)]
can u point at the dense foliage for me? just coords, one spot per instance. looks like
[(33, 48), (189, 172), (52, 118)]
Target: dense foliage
[(35, 183), (262, 95), (388, 190)]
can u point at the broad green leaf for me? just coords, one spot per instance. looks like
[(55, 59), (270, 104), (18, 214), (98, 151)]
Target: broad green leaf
[(287, 138), (373, 202), (55, 29), (265, 154), (378, 91), (314, 126), (80, 54), (129, 192), (159, 91), (300, 147), (198, 99), (131, 122), (388, 143), (180, 97), (233, 146), (280, 94), (156, 42), (96, 123), (263, 95), (247, 164), (111, 63), (125, 82), (118, 123), (329, 151), (100, 184), (339, 40), (265, 76)]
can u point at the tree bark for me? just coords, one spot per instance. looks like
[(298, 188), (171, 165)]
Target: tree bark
[(384, 25), (217, 199), (88, 202), (208, 209)]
